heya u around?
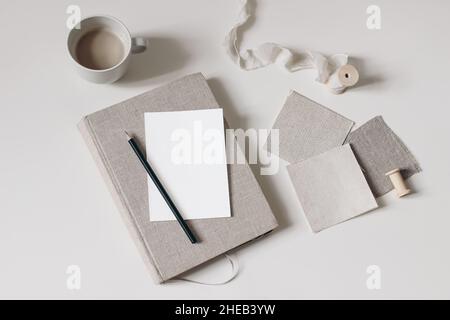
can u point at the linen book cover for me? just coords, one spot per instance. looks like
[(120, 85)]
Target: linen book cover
[(163, 245)]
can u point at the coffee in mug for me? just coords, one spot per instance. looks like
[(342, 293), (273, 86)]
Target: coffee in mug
[(101, 48)]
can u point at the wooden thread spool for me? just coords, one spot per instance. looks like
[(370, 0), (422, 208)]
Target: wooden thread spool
[(398, 182), (346, 76)]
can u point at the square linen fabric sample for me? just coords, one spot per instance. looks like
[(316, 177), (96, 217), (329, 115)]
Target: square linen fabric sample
[(307, 128), (379, 150), (331, 188)]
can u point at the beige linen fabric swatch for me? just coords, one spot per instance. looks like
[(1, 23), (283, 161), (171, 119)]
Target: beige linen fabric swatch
[(307, 128), (331, 188), (379, 150)]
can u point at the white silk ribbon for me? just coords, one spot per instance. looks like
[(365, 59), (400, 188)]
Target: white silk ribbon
[(234, 272), (272, 53)]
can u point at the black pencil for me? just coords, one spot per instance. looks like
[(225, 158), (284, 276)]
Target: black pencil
[(161, 189)]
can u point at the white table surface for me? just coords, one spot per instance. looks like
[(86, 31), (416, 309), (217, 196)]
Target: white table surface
[(56, 211)]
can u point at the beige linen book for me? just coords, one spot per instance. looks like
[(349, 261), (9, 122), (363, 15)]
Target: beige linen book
[(163, 245)]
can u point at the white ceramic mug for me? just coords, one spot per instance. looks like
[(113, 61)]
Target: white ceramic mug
[(113, 25)]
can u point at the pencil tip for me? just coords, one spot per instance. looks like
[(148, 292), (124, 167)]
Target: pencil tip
[(128, 136)]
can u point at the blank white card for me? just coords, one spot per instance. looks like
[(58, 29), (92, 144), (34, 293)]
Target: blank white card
[(186, 149)]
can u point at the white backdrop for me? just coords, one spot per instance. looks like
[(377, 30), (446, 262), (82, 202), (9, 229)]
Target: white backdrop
[(56, 211)]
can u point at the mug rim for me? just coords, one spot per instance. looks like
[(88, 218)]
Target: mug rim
[(125, 55)]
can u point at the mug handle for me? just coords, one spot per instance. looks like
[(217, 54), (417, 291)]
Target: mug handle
[(138, 45)]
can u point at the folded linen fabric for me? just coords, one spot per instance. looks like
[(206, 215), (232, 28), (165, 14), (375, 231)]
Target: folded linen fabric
[(331, 188), (379, 150), (307, 128)]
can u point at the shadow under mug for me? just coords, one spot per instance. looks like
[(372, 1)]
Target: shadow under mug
[(113, 25)]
